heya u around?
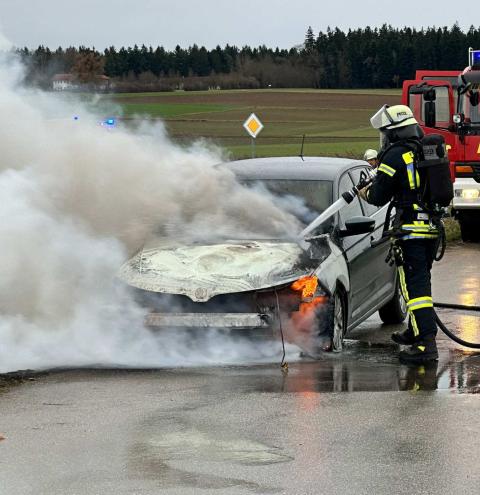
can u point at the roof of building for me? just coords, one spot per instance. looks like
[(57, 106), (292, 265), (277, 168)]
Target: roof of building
[(62, 77), (71, 77)]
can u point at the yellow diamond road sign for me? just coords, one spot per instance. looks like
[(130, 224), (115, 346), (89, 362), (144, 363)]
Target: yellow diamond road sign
[(253, 125)]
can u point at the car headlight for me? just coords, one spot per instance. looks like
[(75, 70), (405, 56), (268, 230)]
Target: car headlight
[(469, 193)]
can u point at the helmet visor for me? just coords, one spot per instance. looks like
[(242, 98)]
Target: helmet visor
[(381, 118)]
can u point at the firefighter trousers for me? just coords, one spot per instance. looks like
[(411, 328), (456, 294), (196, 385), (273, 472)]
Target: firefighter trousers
[(416, 286)]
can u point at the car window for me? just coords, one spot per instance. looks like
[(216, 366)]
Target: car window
[(367, 207), (353, 209), (305, 199)]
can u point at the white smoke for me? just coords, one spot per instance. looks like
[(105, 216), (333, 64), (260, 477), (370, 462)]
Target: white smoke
[(76, 200)]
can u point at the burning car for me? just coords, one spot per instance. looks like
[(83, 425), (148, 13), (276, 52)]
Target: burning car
[(321, 287)]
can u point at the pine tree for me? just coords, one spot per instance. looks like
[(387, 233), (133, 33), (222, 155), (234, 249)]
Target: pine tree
[(309, 44)]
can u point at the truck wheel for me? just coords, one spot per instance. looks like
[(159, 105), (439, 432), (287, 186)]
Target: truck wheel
[(469, 226), (395, 311)]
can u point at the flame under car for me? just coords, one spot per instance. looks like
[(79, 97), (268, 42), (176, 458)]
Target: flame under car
[(316, 290)]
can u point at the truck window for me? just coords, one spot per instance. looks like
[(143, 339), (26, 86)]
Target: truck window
[(442, 107), (472, 112), (453, 80)]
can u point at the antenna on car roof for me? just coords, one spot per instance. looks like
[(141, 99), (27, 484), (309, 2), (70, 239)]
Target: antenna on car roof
[(301, 150)]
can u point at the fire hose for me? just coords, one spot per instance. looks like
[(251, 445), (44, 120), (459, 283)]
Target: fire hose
[(346, 198)]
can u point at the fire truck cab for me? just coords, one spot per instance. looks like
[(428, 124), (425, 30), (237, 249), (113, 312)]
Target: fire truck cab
[(448, 103)]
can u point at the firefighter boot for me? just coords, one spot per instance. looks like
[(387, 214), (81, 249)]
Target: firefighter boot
[(423, 351), (404, 338)]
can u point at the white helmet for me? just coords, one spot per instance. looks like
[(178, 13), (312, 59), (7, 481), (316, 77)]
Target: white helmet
[(393, 117), (370, 155)]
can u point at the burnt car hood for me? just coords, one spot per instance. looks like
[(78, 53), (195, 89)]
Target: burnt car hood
[(204, 271)]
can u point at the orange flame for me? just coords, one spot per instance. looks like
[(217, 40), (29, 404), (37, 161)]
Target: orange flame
[(306, 285), (304, 319), (307, 307)]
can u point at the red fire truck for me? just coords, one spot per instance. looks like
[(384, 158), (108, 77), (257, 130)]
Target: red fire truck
[(447, 103)]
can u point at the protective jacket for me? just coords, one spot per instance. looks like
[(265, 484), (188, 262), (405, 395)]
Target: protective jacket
[(399, 180)]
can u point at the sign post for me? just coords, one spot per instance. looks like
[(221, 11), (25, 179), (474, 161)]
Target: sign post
[(253, 126)]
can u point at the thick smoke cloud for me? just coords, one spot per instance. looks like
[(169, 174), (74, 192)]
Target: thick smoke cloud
[(77, 200)]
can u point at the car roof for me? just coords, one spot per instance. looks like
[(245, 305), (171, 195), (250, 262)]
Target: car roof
[(292, 167)]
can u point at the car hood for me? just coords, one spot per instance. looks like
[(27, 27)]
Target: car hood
[(204, 271)]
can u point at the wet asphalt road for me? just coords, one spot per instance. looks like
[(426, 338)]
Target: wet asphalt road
[(353, 423)]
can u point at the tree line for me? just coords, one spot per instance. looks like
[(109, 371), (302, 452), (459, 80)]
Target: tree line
[(361, 58)]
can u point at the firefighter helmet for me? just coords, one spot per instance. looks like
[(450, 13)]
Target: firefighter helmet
[(393, 117), (370, 155)]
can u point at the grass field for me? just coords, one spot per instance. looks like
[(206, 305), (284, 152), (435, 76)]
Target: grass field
[(335, 122)]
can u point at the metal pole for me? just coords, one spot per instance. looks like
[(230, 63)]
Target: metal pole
[(253, 147)]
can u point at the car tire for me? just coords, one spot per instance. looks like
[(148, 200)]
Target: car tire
[(395, 311), (338, 320)]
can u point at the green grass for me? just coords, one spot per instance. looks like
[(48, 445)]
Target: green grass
[(343, 149), (452, 230), (170, 109)]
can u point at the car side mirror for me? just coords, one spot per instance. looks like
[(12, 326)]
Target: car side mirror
[(357, 225)]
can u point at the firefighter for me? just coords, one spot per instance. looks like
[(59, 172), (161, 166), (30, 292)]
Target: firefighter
[(371, 157), (399, 181)]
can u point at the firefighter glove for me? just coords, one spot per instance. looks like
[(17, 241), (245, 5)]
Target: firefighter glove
[(363, 193)]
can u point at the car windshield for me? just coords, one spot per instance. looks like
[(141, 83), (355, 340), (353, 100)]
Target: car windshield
[(305, 199)]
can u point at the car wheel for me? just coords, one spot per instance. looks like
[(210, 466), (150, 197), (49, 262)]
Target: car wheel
[(395, 311), (338, 321)]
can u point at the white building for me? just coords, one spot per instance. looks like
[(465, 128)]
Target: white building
[(62, 82), (65, 82)]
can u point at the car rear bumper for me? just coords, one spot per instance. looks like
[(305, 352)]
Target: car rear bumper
[(238, 321)]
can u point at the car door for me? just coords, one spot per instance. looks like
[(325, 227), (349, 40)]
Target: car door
[(355, 248), (381, 277)]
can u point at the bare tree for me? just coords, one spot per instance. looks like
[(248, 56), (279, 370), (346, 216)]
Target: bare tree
[(87, 67)]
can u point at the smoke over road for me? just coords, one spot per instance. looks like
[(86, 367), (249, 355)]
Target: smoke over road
[(76, 201)]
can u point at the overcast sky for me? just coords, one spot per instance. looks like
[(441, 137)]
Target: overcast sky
[(282, 23)]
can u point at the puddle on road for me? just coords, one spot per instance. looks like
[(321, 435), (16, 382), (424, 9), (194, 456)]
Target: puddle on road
[(167, 449), (362, 367)]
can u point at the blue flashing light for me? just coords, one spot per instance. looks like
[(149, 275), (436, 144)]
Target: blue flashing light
[(109, 123), (76, 117), (475, 58)]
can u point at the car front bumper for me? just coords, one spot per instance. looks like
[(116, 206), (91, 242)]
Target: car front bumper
[(238, 321)]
